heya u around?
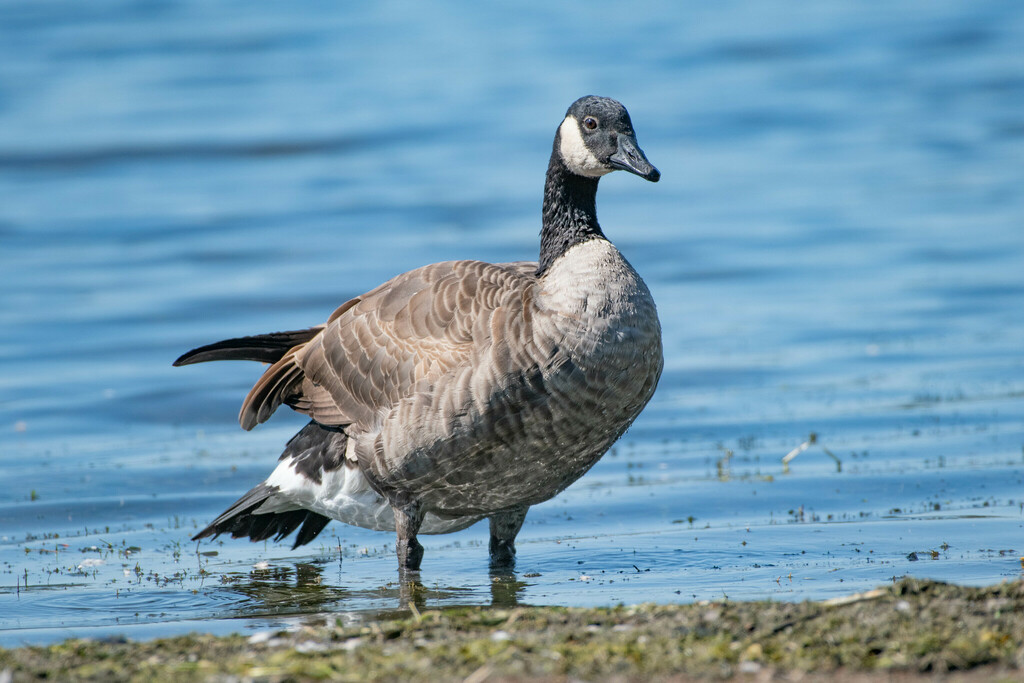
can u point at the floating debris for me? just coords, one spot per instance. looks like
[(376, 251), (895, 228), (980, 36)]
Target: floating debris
[(812, 439), (91, 563)]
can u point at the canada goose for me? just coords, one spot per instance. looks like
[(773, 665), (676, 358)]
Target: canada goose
[(462, 390)]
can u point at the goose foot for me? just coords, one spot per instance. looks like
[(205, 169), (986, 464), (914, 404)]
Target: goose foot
[(410, 554), (407, 524), (504, 528)]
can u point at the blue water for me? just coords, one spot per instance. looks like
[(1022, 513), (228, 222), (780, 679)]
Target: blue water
[(836, 247)]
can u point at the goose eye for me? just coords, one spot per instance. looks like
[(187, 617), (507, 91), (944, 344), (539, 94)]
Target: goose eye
[(590, 123)]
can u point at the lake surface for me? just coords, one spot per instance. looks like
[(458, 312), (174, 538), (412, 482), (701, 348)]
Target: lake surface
[(836, 247)]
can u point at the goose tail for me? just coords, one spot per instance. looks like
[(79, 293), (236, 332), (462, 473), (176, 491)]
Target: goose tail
[(242, 520), (274, 509)]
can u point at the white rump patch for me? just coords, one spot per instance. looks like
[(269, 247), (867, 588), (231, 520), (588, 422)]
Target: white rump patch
[(344, 495), (575, 154)]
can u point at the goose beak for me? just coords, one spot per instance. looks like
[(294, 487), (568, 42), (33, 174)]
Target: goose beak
[(629, 157)]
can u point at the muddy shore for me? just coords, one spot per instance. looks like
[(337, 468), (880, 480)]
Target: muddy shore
[(908, 630)]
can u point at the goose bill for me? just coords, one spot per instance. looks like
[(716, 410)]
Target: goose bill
[(629, 157)]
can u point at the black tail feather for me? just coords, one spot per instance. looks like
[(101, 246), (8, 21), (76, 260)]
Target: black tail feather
[(241, 520), (311, 528), (257, 527), (265, 348)]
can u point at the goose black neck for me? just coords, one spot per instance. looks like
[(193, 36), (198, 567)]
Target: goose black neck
[(570, 212)]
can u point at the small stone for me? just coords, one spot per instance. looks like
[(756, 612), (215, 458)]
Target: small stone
[(749, 667), (310, 646)]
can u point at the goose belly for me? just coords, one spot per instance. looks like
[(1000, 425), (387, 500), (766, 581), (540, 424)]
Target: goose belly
[(528, 455)]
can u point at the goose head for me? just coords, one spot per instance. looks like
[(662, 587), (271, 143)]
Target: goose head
[(597, 137)]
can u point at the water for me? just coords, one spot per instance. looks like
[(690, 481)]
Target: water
[(836, 247)]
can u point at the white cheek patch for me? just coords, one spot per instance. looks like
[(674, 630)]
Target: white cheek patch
[(575, 154)]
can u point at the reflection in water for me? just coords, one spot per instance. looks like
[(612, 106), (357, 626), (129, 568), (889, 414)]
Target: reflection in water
[(282, 590), (505, 590), (505, 587)]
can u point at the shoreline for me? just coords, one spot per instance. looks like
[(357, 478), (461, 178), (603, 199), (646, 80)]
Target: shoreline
[(907, 630)]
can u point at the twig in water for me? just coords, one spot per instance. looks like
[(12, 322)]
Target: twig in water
[(722, 465), (812, 439)]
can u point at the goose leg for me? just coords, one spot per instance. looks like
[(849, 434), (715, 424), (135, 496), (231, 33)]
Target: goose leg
[(504, 527), (407, 524)]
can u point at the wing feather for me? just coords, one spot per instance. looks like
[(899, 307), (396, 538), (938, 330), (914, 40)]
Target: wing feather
[(394, 341), (269, 392)]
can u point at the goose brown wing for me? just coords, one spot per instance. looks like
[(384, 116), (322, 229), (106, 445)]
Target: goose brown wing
[(397, 339)]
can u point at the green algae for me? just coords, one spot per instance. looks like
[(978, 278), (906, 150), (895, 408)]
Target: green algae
[(910, 628)]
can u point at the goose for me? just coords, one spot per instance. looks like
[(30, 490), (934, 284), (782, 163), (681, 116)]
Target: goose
[(462, 390)]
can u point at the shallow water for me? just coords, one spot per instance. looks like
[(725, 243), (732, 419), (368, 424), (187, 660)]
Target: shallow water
[(836, 247)]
